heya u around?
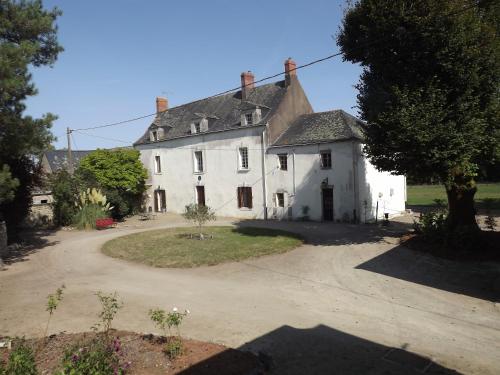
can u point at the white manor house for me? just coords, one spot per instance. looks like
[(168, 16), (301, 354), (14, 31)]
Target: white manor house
[(263, 153)]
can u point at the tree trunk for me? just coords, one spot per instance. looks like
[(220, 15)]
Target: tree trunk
[(461, 206)]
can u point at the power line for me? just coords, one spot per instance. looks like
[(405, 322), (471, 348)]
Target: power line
[(473, 5), (101, 137)]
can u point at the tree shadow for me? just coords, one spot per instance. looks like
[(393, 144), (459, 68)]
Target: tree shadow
[(475, 279), (32, 241), (324, 350), (329, 234)]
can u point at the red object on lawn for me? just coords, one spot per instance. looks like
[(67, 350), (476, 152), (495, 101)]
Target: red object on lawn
[(104, 223)]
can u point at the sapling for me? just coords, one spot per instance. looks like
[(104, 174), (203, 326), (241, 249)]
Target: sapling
[(52, 303), (110, 306), (199, 215)]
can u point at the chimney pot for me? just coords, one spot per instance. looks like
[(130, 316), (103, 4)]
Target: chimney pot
[(290, 70), (247, 83), (161, 104)]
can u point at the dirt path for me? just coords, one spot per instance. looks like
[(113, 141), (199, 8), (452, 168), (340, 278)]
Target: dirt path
[(351, 299)]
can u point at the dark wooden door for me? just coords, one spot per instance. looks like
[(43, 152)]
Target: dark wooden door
[(327, 196), (200, 193)]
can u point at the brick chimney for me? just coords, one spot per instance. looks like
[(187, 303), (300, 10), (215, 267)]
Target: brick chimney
[(290, 70), (247, 79), (161, 104)]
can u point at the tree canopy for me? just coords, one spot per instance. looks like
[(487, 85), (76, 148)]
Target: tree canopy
[(28, 38), (429, 89), (121, 175)]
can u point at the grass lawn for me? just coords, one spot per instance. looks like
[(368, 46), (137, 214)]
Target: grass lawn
[(174, 248), (424, 195)]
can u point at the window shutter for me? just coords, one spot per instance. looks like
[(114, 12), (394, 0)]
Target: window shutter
[(250, 198), (275, 201), (193, 129), (238, 193)]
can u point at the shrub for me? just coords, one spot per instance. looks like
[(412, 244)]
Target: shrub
[(92, 206), (199, 215), (110, 306), (21, 361), (433, 224), (96, 357), (166, 321), (64, 191)]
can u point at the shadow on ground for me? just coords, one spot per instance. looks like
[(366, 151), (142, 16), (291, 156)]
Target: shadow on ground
[(329, 234), (31, 242), (324, 350), (475, 279)]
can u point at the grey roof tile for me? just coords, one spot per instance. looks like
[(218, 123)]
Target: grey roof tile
[(58, 159), (321, 127), (223, 112)]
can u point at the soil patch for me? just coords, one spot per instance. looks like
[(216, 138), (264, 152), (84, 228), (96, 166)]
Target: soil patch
[(146, 356)]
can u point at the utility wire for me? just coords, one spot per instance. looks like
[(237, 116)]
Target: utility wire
[(473, 5), (101, 137)]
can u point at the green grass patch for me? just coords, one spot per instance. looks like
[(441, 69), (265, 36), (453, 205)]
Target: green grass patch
[(174, 247), (424, 195)]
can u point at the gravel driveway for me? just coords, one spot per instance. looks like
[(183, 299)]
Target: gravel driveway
[(352, 300)]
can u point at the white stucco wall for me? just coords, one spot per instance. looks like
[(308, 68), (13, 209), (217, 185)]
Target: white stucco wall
[(302, 183), (221, 177)]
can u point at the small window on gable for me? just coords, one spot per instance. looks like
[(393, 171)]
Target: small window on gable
[(43, 201), (157, 164), (326, 159), (248, 118), (283, 160), (197, 127), (154, 135), (243, 157)]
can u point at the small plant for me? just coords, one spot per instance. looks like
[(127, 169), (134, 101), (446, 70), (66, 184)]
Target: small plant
[(52, 303), (432, 225), (166, 322), (199, 215), (21, 361), (92, 205), (95, 357), (110, 306)]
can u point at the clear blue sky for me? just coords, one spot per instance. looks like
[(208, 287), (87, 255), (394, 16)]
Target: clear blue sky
[(120, 55)]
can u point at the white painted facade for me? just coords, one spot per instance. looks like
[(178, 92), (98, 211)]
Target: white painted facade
[(220, 178), (353, 179), (357, 186)]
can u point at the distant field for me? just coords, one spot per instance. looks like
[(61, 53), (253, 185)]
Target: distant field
[(424, 195)]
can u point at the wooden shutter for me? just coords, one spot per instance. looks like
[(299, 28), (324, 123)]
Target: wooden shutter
[(238, 193), (250, 203)]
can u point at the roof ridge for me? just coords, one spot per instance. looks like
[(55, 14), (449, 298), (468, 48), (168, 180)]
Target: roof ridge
[(218, 96)]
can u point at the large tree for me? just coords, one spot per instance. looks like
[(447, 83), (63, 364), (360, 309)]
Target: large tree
[(28, 38), (429, 90)]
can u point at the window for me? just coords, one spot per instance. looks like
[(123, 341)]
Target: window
[(154, 135), (43, 201), (157, 164), (248, 118), (280, 199), (283, 160), (198, 161), (197, 127), (243, 158), (244, 197), (326, 159)]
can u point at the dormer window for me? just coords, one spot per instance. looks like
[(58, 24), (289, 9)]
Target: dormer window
[(248, 118), (154, 135), (199, 126)]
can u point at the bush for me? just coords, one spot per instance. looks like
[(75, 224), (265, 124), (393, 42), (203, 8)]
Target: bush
[(21, 362), (96, 357), (199, 215), (432, 225), (86, 217), (64, 189)]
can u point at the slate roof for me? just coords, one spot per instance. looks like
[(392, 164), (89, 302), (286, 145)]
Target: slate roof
[(321, 127), (223, 112), (58, 159)]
